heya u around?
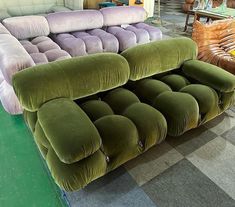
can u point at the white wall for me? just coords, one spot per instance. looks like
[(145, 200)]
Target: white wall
[(149, 7)]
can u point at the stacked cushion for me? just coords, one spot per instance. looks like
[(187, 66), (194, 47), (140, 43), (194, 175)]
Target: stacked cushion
[(102, 132), (88, 119), (126, 24)]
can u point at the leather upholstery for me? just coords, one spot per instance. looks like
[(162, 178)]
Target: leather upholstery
[(215, 41)]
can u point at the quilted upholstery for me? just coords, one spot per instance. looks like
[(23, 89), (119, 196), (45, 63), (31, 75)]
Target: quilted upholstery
[(43, 50), (125, 29), (108, 123), (15, 56)]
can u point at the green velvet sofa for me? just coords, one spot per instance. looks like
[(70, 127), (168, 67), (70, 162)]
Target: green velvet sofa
[(91, 114)]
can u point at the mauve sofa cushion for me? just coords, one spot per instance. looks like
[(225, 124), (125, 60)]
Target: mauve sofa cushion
[(74, 21), (27, 26), (13, 56), (8, 99), (3, 30), (39, 58), (123, 15)]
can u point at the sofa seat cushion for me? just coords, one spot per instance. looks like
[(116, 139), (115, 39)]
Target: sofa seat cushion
[(43, 50), (132, 35), (87, 42), (207, 99)]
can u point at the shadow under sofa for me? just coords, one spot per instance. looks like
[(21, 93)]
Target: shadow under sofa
[(91, 114)]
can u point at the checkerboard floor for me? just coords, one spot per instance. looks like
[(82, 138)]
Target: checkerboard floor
[(196, 169)]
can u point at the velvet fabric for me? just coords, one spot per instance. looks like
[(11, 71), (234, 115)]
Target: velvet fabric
[(3, 30), (74, 21), (84, 139), (78, 144), (123, 15), (13, 56), (87, 42), (131, 36), (72, 78), (43, 50), (27, 26), (160, 56), (210, 75), (32, 7)]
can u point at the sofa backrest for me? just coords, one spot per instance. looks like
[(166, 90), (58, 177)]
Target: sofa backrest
[(27, 26), (74, 21), (72, 78), (158, 57), (29, 7), (123, 15)]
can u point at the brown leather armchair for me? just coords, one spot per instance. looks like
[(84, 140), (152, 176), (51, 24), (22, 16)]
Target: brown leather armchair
[(215, 42)]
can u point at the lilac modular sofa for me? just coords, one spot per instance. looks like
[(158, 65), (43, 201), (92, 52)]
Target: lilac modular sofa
[(111, 29), (31, 40)]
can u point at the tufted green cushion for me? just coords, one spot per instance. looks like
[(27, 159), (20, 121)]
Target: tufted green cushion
[(119, 99), (176, 82), (207, 100), (69, 130), (180, 110), (148, 89), (75, 176), (96, 109), (150, 123), (160, 56), (73, 78), (119, 139), (210, 75)]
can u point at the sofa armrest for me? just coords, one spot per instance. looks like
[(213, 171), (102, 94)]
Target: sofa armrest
[(13, 56), (209, 75), (68, 129)]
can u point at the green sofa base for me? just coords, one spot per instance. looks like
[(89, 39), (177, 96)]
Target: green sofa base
[(91, 114), (124, 132)]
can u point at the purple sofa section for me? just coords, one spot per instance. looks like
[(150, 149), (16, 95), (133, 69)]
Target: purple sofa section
[(8, 99), (3, 30), (43, 50), (122, 28), (27, 26), (132, 35), (76, 33), (87, 42), (72, 21), (123, 15)]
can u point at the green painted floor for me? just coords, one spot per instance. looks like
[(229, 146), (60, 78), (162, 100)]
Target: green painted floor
[(24, 180)]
